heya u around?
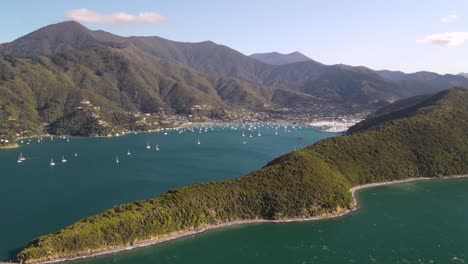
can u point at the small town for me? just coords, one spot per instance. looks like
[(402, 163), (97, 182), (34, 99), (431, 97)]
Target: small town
[(328, 118)]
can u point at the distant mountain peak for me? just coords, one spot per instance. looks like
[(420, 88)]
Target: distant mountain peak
[(297, 53), (276, 58), (68, 24), (65, 25), (463, 74), (340, 84), (56, 38)]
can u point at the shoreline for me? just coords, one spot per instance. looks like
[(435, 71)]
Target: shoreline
[(353, 190), (17, 145), (185, 233), (11, 146), (187, 125)]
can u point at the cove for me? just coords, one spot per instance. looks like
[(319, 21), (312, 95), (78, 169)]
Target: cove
[(413, 222), (37, 199)]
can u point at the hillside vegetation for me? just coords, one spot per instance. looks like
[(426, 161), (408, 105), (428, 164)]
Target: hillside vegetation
[(45, 74), (426, 139), (38, 90)]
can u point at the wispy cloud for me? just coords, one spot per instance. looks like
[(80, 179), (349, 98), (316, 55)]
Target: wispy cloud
[(91, 17), (449, 19), (449, 39)]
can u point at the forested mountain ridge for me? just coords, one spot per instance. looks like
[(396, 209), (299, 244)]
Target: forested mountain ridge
[(42, 89), (218, 60), (428, 138), (424, 82), (454, 99)]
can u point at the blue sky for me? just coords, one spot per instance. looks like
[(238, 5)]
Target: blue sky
[(398, 35)]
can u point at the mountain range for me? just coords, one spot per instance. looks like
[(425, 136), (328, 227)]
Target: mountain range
[(463, 74), (45, 75)]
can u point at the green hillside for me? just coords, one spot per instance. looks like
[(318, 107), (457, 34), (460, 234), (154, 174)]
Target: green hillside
[(117, 81), (46, 74), (337, 83), (426, 140)]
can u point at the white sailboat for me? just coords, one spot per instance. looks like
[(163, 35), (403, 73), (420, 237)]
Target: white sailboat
[(63, 159), (117, 160), (52, 163), (198, 142), (157, 147), (148, 145), (21, 158), (129, 153)]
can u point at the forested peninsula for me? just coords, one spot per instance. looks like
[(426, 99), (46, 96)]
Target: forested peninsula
[(423, 137)]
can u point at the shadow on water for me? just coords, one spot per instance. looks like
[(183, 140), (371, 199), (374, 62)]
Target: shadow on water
[(11, 255)]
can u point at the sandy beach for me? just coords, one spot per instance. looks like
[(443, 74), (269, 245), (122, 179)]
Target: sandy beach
[(185, 233), (16, 145), (11, 146)]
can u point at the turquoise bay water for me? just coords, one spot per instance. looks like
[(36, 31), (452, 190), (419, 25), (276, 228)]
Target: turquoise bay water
[(37, 199), (417, 222)]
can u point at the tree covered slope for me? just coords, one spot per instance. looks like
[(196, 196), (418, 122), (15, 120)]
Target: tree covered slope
[(338, 83), (120, 81), (428, 139), (45, 74)]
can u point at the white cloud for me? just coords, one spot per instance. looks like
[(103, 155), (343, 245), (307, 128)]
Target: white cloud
[(449, 39), (88, 16), (449, 19)]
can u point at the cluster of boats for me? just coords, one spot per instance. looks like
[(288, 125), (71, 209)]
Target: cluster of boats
[(40, 139), (249, 129), (22, 159), (148, 147)]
